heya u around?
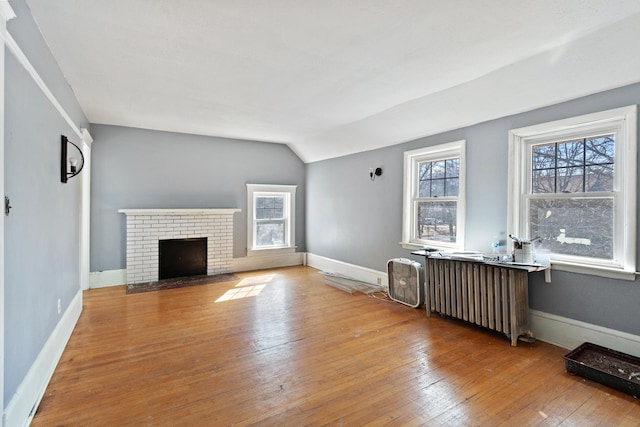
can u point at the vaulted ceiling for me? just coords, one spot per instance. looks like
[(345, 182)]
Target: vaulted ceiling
[(334, 77)]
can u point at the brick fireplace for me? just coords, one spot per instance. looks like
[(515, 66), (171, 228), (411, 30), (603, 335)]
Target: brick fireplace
[(146, 227)]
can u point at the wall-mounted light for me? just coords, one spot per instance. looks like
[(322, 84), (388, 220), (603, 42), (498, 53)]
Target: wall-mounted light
[(7, 206), (374, 172), (69, 166)]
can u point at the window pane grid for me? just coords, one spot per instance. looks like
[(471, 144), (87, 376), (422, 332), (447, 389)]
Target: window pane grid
[(434, 184), (436, 204), (271, 222), (439, 178), (269, 207), (574, 186), (574, 166)]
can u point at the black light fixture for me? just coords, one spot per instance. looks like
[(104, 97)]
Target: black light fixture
[(7, 206), (69, 167), (374, 172)]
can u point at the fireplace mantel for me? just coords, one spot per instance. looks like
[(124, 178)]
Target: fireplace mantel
[(203, 211)]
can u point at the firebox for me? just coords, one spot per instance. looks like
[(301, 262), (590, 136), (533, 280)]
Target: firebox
[(182, 258)]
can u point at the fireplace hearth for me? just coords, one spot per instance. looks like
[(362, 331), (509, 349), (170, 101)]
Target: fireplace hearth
[(179, 282)]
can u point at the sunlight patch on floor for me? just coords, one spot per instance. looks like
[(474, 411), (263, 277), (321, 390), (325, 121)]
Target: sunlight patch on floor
[(256, 280), (248, 287)]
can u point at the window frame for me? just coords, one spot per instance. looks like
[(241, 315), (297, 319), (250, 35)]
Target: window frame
[(412, 160), (270, 190), (622, 122)]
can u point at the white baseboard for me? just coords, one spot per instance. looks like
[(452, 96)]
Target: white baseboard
[(569, 333), (102, 279), (557, 330), (262, 262), (22, 406), (363, 274)]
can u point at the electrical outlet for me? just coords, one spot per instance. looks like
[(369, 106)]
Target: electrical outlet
[(59, 306), (379, 280)]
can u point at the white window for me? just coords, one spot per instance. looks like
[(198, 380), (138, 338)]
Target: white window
[(271, 217), (573, 185), (434, 184)]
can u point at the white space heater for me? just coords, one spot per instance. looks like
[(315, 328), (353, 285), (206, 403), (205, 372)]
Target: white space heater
[(405, 281)]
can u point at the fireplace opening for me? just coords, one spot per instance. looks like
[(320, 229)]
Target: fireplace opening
[(182, 258)]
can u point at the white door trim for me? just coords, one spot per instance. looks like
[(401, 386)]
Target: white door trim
[(6, 13)]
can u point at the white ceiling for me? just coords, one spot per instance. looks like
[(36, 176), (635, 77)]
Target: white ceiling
[(334, 77)]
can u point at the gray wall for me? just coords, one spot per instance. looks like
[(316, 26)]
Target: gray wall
[(354, 220), (42, 233), (136, 168)]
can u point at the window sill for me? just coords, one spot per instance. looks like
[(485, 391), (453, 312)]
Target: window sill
[(593, 270), (414, 246), (280, 250)]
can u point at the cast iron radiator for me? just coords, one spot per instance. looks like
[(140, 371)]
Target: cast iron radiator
[(492, 296)]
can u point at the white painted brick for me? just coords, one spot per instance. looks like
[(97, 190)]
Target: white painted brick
[(144, 231)]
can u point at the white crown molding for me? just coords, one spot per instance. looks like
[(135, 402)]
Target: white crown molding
[(86, 136), (6, 11), (197, 211), (13, 47)]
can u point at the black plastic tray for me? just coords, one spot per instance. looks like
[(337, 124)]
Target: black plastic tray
[(609, 367)]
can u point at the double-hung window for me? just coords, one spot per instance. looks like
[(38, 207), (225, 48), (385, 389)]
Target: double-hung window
[(573, 185), (434, 196), (271, 214)]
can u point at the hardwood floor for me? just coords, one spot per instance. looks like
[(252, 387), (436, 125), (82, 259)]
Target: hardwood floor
[(280, 348)]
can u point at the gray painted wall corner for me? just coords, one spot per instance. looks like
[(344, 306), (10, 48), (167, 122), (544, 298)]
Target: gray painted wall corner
[(138, 168), (353, 220)]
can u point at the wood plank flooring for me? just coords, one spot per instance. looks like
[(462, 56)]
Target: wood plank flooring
[(280, 348)]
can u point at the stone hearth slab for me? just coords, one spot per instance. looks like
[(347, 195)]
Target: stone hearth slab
[(180, 282)]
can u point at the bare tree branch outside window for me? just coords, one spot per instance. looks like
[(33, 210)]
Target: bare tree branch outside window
[(582, 224)]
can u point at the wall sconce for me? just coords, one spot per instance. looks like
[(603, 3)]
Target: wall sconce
[(69, 167), (7, 206), (374, 172)]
